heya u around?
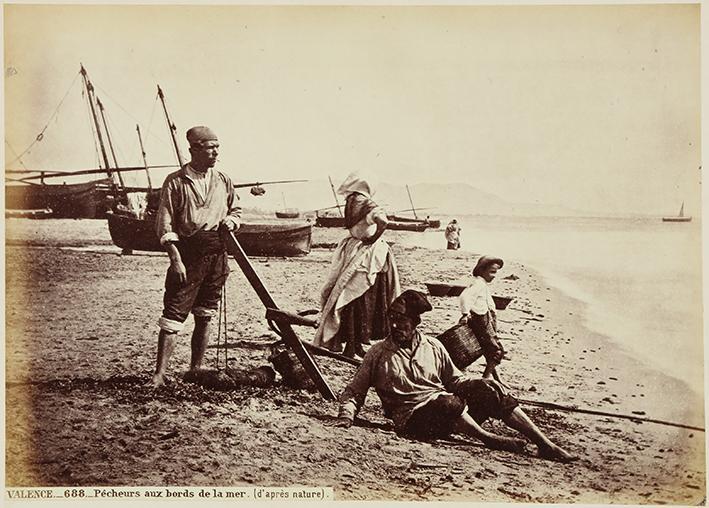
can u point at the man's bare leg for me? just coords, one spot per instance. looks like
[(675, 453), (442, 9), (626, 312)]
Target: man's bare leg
[(519, 421), (166, 345), (465, 424), (200, 339)]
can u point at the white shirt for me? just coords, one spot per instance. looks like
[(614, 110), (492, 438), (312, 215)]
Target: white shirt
[(476, 298), (200, 180)]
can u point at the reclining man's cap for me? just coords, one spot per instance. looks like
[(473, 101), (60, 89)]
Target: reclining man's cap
[(410, 303), (199, 134)]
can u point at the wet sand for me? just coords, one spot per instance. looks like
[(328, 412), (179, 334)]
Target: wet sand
[(80, 345)]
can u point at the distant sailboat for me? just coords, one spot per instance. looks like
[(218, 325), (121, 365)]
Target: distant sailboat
[(679, 218)]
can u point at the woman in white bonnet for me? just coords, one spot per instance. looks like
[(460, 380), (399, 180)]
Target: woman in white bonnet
[(363, 278)]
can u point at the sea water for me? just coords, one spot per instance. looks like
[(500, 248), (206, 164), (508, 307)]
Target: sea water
[(641, 279)]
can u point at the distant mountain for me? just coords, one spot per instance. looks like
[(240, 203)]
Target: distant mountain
[(434, 199)]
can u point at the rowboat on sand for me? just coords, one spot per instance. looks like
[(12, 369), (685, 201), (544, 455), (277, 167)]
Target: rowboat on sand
[(257, 238), (288, 213)]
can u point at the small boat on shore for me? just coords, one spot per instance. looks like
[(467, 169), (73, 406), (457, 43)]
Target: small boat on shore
[(444, 289), (407, 226), (257, 238), (288, 213), (431, 223), (679, 218), (325, 221)]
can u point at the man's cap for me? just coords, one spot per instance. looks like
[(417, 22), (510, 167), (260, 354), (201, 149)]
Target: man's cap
[(199, 134), (410, 303), (484, 262)]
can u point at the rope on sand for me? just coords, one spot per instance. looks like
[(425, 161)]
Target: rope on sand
[(559, 407)]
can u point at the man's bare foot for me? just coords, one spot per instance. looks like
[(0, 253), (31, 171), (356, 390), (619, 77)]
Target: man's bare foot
[(157, 381), (556, 453)]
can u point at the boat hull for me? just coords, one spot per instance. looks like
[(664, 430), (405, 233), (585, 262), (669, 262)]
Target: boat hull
[(288, 213), (330, 222), (89, 200), (676, 219), (339, 222), (431, 223), (257, 239)]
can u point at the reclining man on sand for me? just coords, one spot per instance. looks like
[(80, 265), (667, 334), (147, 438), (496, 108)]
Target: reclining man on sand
[(427, 397)]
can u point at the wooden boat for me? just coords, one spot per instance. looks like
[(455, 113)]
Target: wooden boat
[(88, 200), (679, 218), (325, 221), (443, 289), (407, 226), (256, 238), (431, 223), (288, 213)]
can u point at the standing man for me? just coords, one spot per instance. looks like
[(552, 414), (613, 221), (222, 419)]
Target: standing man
[(453, 235), (195, 201)]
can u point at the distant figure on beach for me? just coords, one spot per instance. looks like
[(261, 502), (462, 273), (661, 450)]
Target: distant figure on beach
[(478, 310), (427, 397), (452, 234), (195, 201), (363, 278)]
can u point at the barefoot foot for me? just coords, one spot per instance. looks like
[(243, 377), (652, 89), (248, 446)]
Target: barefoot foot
[(556, 453), (157, 381)]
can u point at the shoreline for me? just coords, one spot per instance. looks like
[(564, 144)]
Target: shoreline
[(81, 314)]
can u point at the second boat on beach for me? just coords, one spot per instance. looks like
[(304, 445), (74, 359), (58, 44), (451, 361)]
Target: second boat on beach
[(326, 221), (258, 238)]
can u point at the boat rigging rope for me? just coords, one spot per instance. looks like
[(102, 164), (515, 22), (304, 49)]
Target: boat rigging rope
[(15, 153), (39, 136)]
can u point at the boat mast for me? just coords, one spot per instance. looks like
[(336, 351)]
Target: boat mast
[(171, 126), (681, 210), (89, 91), (413, 208), (332, 186), (110, 143), (142, 151)]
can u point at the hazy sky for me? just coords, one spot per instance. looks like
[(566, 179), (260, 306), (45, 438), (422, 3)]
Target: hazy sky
[(591, 107)]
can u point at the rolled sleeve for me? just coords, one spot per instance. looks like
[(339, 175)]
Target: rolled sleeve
[(170, 236), (164, 223), (375, 213), (231, 222)]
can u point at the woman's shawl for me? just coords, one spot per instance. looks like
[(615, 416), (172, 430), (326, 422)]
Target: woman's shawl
[(357, 207)]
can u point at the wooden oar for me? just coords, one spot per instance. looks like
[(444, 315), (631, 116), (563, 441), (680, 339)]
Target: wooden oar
[(559, 407), (287, 331)]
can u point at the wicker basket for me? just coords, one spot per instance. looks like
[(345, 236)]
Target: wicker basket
[(462, 345)]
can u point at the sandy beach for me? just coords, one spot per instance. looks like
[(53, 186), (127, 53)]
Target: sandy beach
[(81, 337)]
